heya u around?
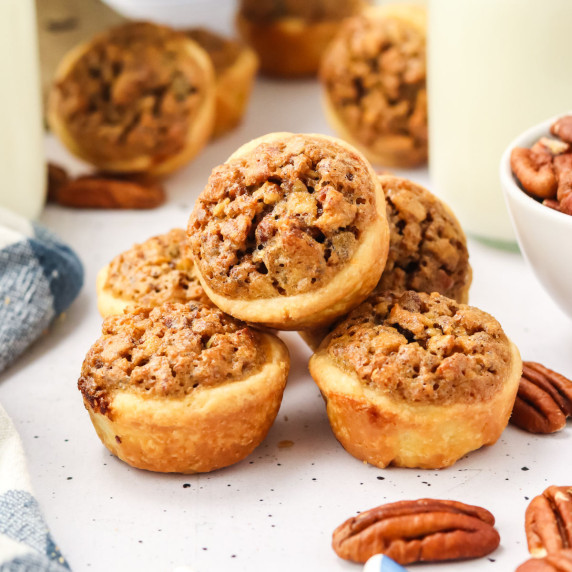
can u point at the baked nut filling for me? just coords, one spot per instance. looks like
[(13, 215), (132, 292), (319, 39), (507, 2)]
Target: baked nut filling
[(428, 248), (374, 77), (417, 380), (235, 66), (158, 270), (139, 97), (287, 219), (291, 36), (182, 387)]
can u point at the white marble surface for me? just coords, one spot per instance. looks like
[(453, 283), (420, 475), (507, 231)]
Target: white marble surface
[(277, 509)]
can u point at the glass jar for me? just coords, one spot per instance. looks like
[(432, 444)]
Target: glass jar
[(22, 164), (495, 67)]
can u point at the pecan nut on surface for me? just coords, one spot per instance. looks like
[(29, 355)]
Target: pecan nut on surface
[(100, 191), (560, 561), (424, 530), (543, 401), (548, 521)]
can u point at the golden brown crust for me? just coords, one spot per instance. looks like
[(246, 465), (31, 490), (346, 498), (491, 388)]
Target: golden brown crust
[(158, 270), (139, 97), (284, 218), (417, 380), (374, 81), (182, 388), (290, 38), (235, 66)]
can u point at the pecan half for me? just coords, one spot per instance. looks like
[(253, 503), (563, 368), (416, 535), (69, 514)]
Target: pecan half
[(563, 170), (557, 562), (562, 128), (105, 192), (535, 172), (57, 178), (548, 521), (424, 530), (543, 401)]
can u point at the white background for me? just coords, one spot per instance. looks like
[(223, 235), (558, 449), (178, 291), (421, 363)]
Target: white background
[(277, 509)]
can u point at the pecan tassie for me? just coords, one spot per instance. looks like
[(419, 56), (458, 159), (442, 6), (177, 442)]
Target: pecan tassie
[(291, 36), (543, 401), (548, 521), (105, 191), (374, 78), (424, 530), (139, 97), (428, 249), (182, 387), (281, 220), (235, 66), (545, 170), (421, 348), (169, 350), (560, 561), (158, 270)]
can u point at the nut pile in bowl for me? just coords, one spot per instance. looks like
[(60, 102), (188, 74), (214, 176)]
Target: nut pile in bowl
[(545, 170), (535, 174)]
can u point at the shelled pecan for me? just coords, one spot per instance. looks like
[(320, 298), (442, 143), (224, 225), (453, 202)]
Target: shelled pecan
[(57, 178), (560, 561), (544, 400), (548, 521), (535, 172), (424, 530), (562, 128), (101, 191)]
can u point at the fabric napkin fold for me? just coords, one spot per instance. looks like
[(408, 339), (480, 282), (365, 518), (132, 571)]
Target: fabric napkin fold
[(25, 542), (39, 278)]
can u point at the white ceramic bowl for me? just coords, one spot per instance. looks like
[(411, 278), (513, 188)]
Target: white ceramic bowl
[(544, 235), (217, 15)]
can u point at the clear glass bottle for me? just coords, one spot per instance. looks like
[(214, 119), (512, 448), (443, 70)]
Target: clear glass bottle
[(495, 68), (22, 163)]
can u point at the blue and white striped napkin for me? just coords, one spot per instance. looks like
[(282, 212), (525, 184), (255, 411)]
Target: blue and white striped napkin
[(25, 542), (39, 278)]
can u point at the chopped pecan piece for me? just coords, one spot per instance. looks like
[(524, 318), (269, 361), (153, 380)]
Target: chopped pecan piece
[(101, 191), (552, 146), (562, 128), (543, 401), (557, 562), (535, 172), (548, 521), (424, 530)]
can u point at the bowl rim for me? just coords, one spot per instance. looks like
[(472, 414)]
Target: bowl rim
[(509, 182)]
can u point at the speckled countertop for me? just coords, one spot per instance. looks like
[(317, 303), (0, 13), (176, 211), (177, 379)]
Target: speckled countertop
[(277, 509)]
